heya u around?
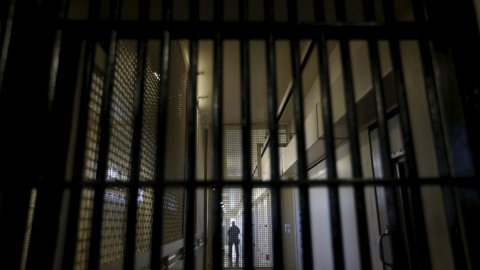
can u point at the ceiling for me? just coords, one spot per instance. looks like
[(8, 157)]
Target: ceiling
[(258, 83), (231, 51)]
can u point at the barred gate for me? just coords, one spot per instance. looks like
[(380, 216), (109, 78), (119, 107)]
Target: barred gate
[(354, 144)]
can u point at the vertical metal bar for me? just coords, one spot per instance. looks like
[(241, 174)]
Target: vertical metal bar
[(431, 89), (79, 160), (451, 213), (130, 243), (62, 11), (301, 146), (368, 10), (273, 137), (48, 209), (334, 204), (157, 223), (340, 13), (217, 135), (399, 255), (319, 10), (360, 208), (246, 140), (190, 152), (105, 114), (129, 251), (7, 33), (414, 217)]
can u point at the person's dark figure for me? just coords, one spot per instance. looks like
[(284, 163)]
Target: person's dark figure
[(233, 233)]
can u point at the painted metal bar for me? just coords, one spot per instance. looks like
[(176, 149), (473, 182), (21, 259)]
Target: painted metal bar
[(301, 145), (351, 108), (334, 204), (256, 30), (415, 228), (157, 223), (398, 246), (71, 235), (7, 33), (191, 153), (435, 116), (283, 105), (399, 255), (102, 169), (131, 231), (360, 207), (217, 135), (273, 139), (450, 204), (48, 207), (246, 140)]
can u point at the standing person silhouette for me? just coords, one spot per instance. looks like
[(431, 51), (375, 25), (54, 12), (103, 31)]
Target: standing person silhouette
[(233, 233)]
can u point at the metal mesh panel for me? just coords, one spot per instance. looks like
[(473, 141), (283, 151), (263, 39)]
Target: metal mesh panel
[(148, 150), (200, 193), (144, 220), (232, 206), (84, 229), (175, 145), (233, 149), (113, 226), (31, 211), (93, 130), (91, 160), (119, 153), (262, 227), (122, 110)]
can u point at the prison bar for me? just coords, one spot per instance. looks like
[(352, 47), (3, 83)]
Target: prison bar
[(138, 112), (6, 34), (163, 93), (79, 160), (332, 183), (441, 152), (191, 153), (217, 124), (246, 136), (105, 130), (273, 135)]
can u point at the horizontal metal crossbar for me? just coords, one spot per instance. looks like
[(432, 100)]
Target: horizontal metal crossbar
[(254, 30), (413, 182)]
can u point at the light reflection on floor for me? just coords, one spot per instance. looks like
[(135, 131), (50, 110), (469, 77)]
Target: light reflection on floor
[(234, 262)]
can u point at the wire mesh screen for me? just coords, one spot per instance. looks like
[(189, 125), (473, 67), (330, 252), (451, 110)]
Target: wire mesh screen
[(175, 145), (262, 227), (233, 150), (148, 147), (232, 207), (31, 211), (91, 160), (119, 152), (115, 205), (200, 192)]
